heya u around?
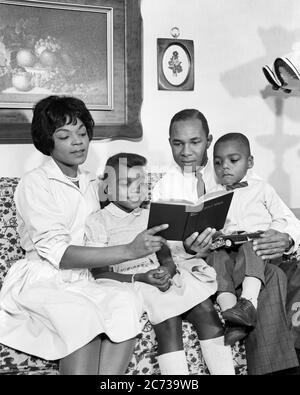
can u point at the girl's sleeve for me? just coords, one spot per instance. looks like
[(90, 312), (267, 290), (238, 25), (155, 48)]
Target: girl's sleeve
[(41, 219), (95, 234)]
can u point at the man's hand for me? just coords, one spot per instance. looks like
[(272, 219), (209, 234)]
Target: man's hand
[(271, 244), (199, 243)]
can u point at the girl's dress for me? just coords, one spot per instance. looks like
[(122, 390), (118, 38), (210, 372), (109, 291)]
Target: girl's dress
[(112, 226), (46, 311)]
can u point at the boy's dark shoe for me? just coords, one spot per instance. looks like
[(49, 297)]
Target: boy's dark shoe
[(234, 334), (243, 313)]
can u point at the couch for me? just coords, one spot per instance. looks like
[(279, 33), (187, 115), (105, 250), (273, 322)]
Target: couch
[(143, 362)]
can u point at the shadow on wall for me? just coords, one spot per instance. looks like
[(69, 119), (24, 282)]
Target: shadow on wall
[(243, 82), (279, 142)]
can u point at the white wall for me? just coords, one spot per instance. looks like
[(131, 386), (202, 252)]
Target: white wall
[(233, 39)]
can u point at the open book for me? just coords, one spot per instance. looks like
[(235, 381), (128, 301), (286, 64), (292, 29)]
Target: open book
[(185, 218)]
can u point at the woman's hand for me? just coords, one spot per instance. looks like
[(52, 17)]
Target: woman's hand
[(146, 243), (159, 278), (199, 244)]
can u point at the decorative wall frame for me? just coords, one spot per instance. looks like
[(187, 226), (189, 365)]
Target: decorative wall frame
[(91, 49), (175, 64)]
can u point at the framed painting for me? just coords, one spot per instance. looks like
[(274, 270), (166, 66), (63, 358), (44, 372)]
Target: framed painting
[(90, 49), (175, 64)]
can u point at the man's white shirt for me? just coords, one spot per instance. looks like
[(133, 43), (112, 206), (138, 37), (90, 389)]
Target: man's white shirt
[(179, 185)]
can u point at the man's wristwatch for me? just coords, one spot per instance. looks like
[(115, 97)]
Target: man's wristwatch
[(291, 244)]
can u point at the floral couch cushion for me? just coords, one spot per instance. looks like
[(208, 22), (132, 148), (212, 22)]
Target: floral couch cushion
[(10, 249), (143, 362), (12, 361)]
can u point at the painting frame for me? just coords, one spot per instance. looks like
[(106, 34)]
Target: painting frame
[(175, 56), (119, 120)]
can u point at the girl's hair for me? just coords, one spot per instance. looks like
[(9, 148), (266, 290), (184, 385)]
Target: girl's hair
[(51, 113), (131, 160)]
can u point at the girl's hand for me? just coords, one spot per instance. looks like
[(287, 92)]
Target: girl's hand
[(146, 243), (199, 243), (159, 278)]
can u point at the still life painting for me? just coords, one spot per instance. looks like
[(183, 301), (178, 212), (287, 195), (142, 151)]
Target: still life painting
[(55, 48)]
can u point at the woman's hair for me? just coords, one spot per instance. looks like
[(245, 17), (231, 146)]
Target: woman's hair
[(187, 115), (53, 112)]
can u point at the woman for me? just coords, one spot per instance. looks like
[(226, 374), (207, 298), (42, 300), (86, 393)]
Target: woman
[(50, 305)]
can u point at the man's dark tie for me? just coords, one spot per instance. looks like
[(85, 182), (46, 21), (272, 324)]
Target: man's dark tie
[(236, 185), (200, 184)]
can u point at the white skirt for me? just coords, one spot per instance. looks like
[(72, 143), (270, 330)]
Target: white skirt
[(51, 313), (189, 288)]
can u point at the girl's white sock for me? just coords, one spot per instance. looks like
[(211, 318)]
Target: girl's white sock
[(173, 363), (217, 356)]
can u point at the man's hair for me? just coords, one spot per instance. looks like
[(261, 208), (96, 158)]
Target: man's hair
[(187, 115), (53, 112), (237, 137), (130, 159)]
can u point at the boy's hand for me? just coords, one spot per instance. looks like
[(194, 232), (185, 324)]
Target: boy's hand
[(199, 243), (146, 243), (271, 244), (159, 278)]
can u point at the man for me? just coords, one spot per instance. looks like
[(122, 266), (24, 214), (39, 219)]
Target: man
[(269, 347)]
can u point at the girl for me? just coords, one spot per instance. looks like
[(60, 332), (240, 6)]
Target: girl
[(168, 290), (50, 305)]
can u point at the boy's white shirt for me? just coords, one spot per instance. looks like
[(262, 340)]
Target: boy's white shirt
[(259, 207)]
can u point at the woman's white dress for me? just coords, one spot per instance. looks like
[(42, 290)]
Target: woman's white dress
[(46, 311), (113, 226)]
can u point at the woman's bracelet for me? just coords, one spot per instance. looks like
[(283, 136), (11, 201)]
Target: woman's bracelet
[(132, 278)]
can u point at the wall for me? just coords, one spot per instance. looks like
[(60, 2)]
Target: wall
[(233, 39)]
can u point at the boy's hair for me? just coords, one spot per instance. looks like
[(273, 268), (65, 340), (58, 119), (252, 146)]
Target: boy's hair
[(237, 137), (132, 160), (53, 112), (189, 114)]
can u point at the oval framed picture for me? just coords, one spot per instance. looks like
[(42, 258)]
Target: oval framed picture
[(175, 63)]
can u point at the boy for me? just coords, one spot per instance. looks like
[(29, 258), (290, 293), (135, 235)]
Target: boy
[(255, 206)]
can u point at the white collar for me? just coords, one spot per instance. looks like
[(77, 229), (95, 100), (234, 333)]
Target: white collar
[(119, 213), (53, 171), (246, 178)]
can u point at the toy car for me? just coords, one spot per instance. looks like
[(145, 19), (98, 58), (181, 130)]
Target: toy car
[(228, 241)]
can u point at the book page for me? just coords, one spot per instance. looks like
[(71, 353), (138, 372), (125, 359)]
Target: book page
[(202, 199)]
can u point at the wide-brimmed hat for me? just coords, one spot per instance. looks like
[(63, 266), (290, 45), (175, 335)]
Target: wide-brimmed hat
[(285, 73), (271, 77)]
